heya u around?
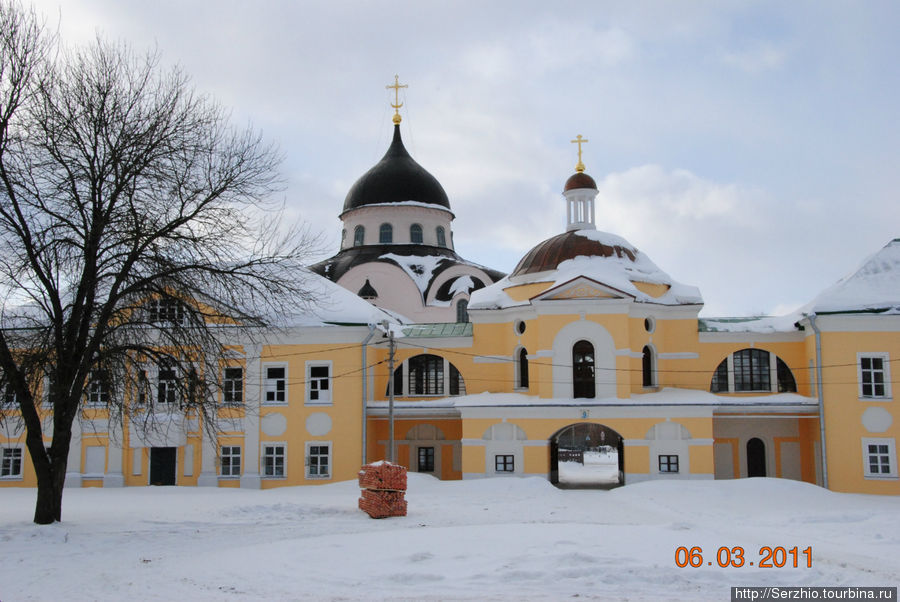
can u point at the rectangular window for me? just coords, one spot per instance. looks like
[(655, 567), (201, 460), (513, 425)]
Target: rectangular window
[(167, 384), (276, 384), (11, 462), (165, 310), (318, 461), (426, 375), (98, 388), (8, 395), (426, 459), (231, 461), (751, 370), (504, 463), (879, 457), (273, 460), (668, 463), (874, 375), (318, 383), (233, 386)]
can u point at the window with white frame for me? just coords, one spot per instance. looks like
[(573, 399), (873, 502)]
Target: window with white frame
[(167, 383), (274, 460), (504, 463), (230, 461), (7, 395), (98, 388), (318, 382), (318, 460), (164, 310), (879, 457), (668, 463), (233, 385), (275, 384), (753, 370), (11, 462), (874, 375)]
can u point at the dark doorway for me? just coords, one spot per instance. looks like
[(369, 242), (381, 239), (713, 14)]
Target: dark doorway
[(583, 370), (162, 465), (756, 458)]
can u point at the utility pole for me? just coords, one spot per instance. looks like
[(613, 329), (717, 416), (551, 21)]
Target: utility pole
[(390, 333)]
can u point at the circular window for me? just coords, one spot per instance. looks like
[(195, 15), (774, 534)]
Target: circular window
[(520, 327), (649, 324)]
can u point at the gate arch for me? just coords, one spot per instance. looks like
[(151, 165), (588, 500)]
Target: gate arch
[(587, 455)]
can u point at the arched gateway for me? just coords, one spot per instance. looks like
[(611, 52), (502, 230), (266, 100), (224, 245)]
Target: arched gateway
[(587, 455)]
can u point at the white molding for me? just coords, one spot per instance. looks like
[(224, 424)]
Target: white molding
[(679, 355)]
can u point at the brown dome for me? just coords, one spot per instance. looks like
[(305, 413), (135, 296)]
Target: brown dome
[(553, 251), (580, 180)]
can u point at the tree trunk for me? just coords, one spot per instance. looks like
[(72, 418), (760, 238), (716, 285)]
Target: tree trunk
[(48, 508)]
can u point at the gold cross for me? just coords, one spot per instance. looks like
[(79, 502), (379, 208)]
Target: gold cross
[(579, 141), (397, 104)]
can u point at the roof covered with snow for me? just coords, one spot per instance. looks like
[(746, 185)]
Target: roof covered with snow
[(608, 259), (333, 304), (873, 287)]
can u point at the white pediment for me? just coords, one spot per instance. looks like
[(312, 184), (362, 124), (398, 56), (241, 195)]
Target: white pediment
[(582, 288)]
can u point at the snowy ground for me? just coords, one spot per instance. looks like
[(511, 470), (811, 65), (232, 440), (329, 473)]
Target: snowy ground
[(493, 539)]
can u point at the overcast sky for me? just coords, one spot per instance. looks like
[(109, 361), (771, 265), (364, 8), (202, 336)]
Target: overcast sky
[(749, 148)]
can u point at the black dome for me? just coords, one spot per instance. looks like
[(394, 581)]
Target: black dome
[(395, 179), (568, 245)]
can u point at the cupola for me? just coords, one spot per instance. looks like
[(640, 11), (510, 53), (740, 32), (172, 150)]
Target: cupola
[(580, 192)]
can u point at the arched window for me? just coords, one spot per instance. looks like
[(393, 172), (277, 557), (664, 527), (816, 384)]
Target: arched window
[(386, 234), (462, 310), (583, 370), (649, 367), (752, 370), (426, 376), (359, 235), (415, 234), (441, 237), (523, 368)]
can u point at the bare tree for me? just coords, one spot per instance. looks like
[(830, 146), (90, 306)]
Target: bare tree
[(134, 228)]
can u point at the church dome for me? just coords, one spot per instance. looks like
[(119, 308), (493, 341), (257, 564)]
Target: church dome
[(397, 178), (569, 245), (580, 180)]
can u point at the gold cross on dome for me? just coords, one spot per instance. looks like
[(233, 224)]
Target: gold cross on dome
[(397, 104), (579, 167)]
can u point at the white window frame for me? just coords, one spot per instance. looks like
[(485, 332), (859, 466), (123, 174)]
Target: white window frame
[(262, 459), (158, 311), (98, 388), (3, 459), (886, 370), (891, 455), (239, 455), (225, 386), (319, 477), (313, 384), (167, 405), (271, 384)]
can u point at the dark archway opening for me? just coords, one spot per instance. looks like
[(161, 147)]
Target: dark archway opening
[(756, 458), (587, 456)]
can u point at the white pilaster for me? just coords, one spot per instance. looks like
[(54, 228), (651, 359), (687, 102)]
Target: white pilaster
[(253, 389)]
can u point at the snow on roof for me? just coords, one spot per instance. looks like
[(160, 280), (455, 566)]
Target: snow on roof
[(873, 286), (757, 324), (668, 396), (614, 271), (418, 267), (333, 304)]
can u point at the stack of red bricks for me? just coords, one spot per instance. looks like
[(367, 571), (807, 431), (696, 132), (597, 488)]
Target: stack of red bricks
[(383, 489)]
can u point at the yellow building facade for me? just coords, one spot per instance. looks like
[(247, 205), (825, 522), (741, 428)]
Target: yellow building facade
[(587, 365)]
